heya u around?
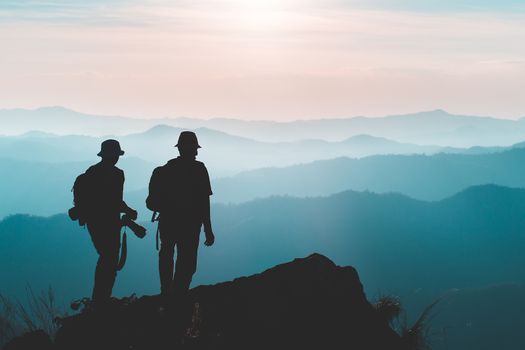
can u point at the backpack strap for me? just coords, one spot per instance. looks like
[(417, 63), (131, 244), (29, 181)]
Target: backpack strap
[(155, 217), (157, 238), (123, 252)]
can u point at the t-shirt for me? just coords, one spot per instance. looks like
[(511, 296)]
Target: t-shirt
[(183, 187), (107, 185)]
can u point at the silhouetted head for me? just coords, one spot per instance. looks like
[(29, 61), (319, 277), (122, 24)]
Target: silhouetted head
[(110, 151), (188, 144)]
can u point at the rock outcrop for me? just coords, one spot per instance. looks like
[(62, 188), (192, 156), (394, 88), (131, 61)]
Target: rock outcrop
[(308, 303)]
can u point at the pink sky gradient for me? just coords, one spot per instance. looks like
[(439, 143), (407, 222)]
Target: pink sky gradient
[(268, 59)]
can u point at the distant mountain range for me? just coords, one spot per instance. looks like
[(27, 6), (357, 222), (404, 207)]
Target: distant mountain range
[(480, 318), (470, 240), (224, 154), (415, 202), (417, 250), (60, 120), (427, 128), (422, 177), (42, 188)]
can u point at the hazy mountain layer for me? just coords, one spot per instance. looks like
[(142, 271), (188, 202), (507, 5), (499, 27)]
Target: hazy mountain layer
[(41, 188), (470, 240), (63, 121), (422, 177), (45, 188), (482, 319), (430, 128), (225, 154)]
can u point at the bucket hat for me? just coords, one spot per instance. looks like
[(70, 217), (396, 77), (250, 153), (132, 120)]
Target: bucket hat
[(110, 148), (188, 138)]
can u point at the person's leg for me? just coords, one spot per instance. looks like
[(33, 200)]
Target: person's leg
[(186, 265), (167, 250), (106, 239)]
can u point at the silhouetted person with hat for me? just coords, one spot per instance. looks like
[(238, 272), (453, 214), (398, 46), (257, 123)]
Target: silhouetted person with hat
[(180, 191), (99, 201)]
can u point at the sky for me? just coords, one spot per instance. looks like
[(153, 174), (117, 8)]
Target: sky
[(264, 59)]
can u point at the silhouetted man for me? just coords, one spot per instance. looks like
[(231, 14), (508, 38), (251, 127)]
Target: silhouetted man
[(100, 208), (180, 191)]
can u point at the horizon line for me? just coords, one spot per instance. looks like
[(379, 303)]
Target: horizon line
[(436, 110)]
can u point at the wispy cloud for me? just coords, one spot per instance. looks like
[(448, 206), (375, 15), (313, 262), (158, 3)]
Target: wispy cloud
[(433, 5), (259, 58), (93, 12), (111, 11)]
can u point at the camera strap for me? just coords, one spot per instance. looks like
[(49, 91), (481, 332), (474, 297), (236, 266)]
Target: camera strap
[(155, 217), (123, 251)]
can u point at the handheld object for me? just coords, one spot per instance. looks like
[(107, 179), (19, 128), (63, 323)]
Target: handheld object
[(138, 230)]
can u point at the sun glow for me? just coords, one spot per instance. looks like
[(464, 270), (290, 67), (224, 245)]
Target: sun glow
[(261, 14), (260, 59)]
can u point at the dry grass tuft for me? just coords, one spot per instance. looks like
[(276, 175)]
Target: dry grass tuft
[(388, 308), (415, 337), (38, 311)]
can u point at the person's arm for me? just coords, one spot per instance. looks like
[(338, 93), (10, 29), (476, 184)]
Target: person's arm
[(132, 213), (124, 208), (208, 231)]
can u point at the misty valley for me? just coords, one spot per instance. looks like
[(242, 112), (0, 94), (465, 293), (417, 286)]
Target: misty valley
[(437, 213)]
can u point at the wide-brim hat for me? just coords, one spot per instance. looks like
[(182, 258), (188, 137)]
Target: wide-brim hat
[(110, 148), (188, 138)]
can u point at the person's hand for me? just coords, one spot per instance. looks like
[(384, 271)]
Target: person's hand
[(210, 238), (132, 213)]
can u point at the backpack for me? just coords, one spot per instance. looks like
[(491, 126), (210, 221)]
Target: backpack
[(155, 199), (83, 197), (178, 185)]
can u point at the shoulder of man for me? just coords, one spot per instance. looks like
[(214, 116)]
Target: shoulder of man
[(98, 167), (170, 163), (116, 170), (89, 177), (200, 164), (161, 168), (120, 172), (201, 167), (158, 172), (112, 171), (92, 169)]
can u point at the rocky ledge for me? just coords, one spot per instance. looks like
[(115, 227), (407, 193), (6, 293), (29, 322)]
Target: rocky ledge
[(308, 303)]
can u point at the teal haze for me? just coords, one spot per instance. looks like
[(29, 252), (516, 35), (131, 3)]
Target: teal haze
[(417, 220)]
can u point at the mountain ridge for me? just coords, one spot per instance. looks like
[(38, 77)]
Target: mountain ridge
[(430, 127), (349, 222), (394, 242), (429, 177)]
